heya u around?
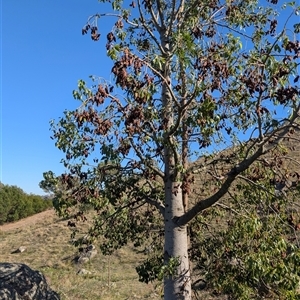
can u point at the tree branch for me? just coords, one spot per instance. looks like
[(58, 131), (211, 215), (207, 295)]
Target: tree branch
[(157, 204), (149, 31), (96, 16), (233, 173), (144, 160), (160, 13), (160, 76)]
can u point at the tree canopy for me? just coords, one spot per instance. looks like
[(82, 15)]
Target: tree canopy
[(193, 127)]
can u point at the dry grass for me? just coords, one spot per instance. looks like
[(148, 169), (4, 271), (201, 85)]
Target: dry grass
[(48, 247)]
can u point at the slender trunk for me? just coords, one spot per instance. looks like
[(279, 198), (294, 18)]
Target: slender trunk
[(177, 286)]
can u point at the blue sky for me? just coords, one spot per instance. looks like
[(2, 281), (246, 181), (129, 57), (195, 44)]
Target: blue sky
[(43, 56)]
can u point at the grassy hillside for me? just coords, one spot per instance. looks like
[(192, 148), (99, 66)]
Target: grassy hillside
[(49, 250)]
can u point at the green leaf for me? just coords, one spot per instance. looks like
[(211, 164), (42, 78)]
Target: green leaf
[(297, 28)]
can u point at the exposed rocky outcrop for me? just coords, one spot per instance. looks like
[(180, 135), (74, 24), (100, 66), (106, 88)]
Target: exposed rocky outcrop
[(19, 282), (86, 254)]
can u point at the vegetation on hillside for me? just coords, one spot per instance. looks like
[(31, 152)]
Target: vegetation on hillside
[(15, 204)]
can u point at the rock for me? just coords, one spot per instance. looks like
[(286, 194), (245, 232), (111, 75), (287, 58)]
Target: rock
[(85, 239), (86, 254), (200, 284), (19, 250), (19, 282), (82, 259), (83, 272), (22, 249), (91, 251)]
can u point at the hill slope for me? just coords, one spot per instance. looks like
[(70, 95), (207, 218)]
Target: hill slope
[(46, 238)]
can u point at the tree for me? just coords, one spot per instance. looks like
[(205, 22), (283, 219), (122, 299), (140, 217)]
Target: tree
[(14, 201), (191, 78), (5, 203), (15, 204)]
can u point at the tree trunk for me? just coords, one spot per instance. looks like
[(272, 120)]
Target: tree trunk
[(177, 286)]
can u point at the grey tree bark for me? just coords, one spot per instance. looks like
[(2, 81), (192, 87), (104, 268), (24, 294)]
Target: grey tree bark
[(177, 286)]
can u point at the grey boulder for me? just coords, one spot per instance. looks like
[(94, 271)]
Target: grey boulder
[(19, 282)]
